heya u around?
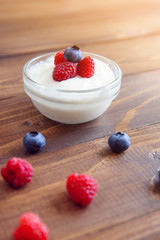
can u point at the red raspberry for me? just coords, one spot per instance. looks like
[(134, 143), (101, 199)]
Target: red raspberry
[(59, 58), (17, 172), (86, 67), (64, 71), (81, 188), (31, 228)]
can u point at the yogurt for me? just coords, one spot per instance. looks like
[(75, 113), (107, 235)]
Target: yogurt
[(42, 71), (75, 100)]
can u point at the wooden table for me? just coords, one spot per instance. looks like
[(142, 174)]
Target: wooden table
[(128, 32)]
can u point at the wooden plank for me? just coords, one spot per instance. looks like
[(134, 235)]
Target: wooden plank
[(123, 200), (133, 55), (147, 227), (41, 25)]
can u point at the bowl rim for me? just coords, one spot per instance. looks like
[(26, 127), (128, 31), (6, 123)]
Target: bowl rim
[(118, 69)]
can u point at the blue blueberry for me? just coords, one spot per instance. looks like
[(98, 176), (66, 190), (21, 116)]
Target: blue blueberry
[(119, 142), (158, 173), (73, 54), (34, 141)]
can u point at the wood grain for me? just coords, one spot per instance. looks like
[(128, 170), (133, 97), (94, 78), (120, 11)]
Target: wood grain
[(127, 32), (123, 187), (37, 25)]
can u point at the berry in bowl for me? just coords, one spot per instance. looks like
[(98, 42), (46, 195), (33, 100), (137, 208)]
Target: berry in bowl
[(71, 86)]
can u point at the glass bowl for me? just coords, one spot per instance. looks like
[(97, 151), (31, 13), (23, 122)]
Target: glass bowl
[(71, 106)]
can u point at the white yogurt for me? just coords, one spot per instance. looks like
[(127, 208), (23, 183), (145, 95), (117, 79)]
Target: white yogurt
[(74, 100), (42, 71)]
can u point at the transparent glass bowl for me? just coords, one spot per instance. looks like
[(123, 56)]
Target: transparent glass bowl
[(67, 106)]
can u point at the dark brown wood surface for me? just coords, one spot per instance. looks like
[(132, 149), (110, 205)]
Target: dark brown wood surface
[(128, 32)]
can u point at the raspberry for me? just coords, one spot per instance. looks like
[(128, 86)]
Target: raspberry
[(17, 172), (86, 67), (64, 71), (81, 188), (59, 58), (31, 228)]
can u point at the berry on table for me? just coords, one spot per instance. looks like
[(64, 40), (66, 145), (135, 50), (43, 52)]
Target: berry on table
[(30, 228), (34, 141), (158, 171), (59, 57), (73, 54), (86, 67), (119, 142), (17, 172), (64, 71), (81, 188)]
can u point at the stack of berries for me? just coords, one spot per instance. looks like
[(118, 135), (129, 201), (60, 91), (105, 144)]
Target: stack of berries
[(69, 63)]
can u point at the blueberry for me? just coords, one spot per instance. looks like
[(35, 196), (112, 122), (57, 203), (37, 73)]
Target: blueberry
[(119, 142), (158, 173), (73, 54), (34, 141)]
